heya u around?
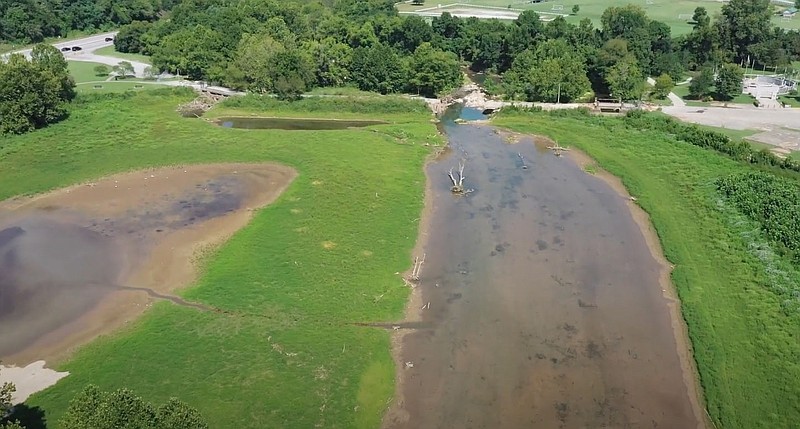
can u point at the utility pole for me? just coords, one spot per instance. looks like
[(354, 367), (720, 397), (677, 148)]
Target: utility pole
[(558, 99)]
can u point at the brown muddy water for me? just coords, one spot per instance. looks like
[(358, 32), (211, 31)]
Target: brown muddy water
[(83, 260), (545, 308)]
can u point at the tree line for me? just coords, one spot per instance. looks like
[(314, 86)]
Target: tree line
[(31, 21), (289, 47)]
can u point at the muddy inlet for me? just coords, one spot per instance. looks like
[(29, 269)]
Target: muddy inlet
[(545, 308), (84, 260)]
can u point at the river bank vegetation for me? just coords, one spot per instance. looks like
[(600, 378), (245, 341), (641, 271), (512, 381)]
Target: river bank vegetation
[(738, 293), (295, 280)]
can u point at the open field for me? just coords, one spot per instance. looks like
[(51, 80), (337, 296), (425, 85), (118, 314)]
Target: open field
[(676, 14), (746, 347), (294, 280), (110, 51), (116, 86), (83, 71)]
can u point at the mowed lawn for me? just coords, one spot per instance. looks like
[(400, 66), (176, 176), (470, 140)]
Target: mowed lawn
[(111, 51), (746, 348), (675, 13), (323, 257), (83, 71)]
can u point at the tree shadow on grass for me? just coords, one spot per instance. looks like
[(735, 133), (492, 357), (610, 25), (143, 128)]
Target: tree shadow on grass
[(29, 417)]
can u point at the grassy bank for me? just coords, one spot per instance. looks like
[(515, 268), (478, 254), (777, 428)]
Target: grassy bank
[(288, 356), (111, 51), (747, 349)]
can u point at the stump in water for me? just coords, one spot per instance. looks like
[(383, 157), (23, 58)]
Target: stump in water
[(458, 183)]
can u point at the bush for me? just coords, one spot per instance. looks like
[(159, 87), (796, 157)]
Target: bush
[(771, 201)]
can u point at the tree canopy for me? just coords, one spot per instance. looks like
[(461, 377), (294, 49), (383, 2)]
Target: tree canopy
[(35, 92), (122, 409), (365, 43)]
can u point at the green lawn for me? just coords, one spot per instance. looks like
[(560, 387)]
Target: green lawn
[(115, 86), (110, 51), (682, 91), (288, 355), (666, 11), (83, 71), (746, 348)]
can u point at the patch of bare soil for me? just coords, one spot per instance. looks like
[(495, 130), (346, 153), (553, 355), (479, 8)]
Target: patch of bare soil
[(85, 260)]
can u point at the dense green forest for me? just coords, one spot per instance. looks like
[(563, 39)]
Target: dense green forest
[(276, 46), (31, 21)]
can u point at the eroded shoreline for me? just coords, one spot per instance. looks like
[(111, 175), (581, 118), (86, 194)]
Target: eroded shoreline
[(398, 414)]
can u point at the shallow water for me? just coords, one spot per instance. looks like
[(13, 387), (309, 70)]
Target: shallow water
[(62, 256), (294, 124), (545, 304)]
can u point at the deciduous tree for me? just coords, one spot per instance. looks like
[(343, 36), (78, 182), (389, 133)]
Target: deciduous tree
[(433, 70), (122, 409), (625, 80), (663, 86), (729, 82), (700, 87)]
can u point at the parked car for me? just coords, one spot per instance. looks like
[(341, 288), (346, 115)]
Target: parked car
[(109, 39), (76, 48), (65, 49)]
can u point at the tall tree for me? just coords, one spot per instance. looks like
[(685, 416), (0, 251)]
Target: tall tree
[(625, 80), (34, 93), (378, 68), (700, 87), (729, 81), (433, 70), (744, 23), (553, 72)]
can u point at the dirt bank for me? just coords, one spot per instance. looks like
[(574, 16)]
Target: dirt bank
[(545, 308), (83, 261)]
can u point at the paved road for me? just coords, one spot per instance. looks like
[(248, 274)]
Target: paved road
[(737, 117), (89, 45)]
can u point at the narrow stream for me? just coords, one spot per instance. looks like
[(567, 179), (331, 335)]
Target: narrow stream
[(545, 304)]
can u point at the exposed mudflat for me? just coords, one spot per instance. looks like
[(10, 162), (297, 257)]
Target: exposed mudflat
[(540, 303), (84, 260)]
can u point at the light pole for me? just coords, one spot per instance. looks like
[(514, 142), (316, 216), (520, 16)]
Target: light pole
[(558, 97)]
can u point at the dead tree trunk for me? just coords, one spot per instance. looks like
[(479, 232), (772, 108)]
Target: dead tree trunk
[(458, 182)]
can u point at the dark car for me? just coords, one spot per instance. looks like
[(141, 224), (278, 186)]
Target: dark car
[(109, 39), (65, 49), (76, 48)]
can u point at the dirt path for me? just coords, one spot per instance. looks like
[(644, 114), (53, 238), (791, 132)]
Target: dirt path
[(547, 307), (84, 260)]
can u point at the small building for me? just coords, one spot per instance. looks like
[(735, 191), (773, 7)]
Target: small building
[(789, 13)]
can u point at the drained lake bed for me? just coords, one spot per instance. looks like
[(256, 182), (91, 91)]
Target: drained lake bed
[(539, 303), (85, 260)]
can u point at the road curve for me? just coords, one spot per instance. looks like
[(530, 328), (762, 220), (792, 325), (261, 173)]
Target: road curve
[(89, 45)]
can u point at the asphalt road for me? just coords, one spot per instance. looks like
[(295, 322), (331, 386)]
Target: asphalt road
[(89, 45)]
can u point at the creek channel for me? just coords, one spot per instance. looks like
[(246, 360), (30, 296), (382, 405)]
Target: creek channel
[(542, 305)]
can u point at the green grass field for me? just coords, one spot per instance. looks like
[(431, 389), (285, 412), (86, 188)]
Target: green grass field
[(289, 355), (115, 86), (83, 71), (747, 350), (666, 11), (112, 52)]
